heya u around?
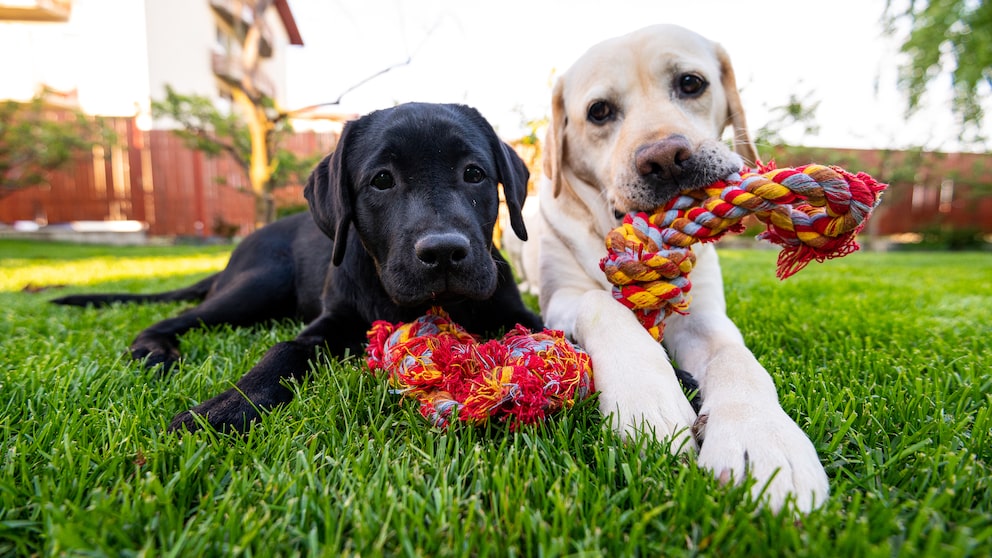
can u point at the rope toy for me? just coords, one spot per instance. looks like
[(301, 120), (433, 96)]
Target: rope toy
[(520, 378), (813, 212)]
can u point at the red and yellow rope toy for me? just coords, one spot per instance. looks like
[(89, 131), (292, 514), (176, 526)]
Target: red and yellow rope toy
[(520, 378), (813, 212)]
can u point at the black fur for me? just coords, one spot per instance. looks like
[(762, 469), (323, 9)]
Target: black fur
[(361, 254)]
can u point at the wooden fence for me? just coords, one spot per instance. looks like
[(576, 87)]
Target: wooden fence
[(150, 176), (927, 190)]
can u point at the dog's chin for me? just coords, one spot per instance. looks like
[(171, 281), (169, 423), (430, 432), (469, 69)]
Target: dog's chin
[(440, 290), (641, 199)]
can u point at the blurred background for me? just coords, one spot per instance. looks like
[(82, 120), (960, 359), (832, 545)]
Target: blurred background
[(198, 120)]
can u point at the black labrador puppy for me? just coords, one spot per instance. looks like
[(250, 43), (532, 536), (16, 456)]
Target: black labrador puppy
[(401, 219)]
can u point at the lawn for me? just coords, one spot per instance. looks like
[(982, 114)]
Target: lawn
[(884, 359)]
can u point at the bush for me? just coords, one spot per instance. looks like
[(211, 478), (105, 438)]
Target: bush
[(943, 237)]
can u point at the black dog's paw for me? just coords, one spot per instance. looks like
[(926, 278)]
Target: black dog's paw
[(165, 362), (158, 351), (183, 422), (229, 412)]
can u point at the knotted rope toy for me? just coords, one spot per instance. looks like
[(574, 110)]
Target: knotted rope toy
[(813, 212), (520, 378)]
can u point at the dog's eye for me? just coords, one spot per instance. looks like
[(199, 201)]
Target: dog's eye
[(383, 181), (691, 85), (473, 174), (600, 112)]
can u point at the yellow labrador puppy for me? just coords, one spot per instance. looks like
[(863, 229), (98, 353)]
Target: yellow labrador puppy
[(635, 120)]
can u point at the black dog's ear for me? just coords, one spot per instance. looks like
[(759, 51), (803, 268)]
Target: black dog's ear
[(513, 174), (328, 192)]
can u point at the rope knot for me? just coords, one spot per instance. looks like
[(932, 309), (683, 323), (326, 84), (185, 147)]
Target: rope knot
[(814, 212), (519, 378)]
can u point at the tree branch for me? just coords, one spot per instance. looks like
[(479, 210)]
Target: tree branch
[(409, 59), (203, 135), (346, 91)]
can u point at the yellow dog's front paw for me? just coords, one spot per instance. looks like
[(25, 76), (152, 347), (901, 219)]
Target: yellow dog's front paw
[(764, 443)]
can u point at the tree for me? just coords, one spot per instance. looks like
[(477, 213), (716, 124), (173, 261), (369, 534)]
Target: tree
[(267, 166), (794, 113), (942, 33), (263, 119), (36, 140)]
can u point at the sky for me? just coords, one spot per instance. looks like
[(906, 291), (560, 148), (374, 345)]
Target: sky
[(502, 56)]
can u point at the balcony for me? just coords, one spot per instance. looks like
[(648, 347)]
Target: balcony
[(228, 68), (35, 10), (239, 20)]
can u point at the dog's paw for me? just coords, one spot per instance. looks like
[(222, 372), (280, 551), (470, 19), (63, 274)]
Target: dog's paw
[(762, 441), (638, 390), (228, 412), (649, 407), (156, 351)]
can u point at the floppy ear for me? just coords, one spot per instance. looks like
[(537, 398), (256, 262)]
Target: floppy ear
[(513, 174), (735, 109), (554, 141), (328, 192)]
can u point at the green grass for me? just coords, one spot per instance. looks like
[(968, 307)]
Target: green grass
[(884, 359)]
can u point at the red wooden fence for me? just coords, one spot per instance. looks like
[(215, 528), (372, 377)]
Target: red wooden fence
[(151, 176), (927, 190)]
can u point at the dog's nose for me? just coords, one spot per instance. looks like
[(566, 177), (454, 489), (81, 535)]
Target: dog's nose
[(442, 250), (663, 160)]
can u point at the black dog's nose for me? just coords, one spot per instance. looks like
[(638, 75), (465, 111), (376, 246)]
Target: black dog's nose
[(663, 160), (442, 250)]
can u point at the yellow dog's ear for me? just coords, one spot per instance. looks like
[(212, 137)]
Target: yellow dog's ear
[(735, 110), (554, 141)]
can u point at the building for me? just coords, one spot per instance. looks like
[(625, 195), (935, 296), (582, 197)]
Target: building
[(115, 56), (112, 58)]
